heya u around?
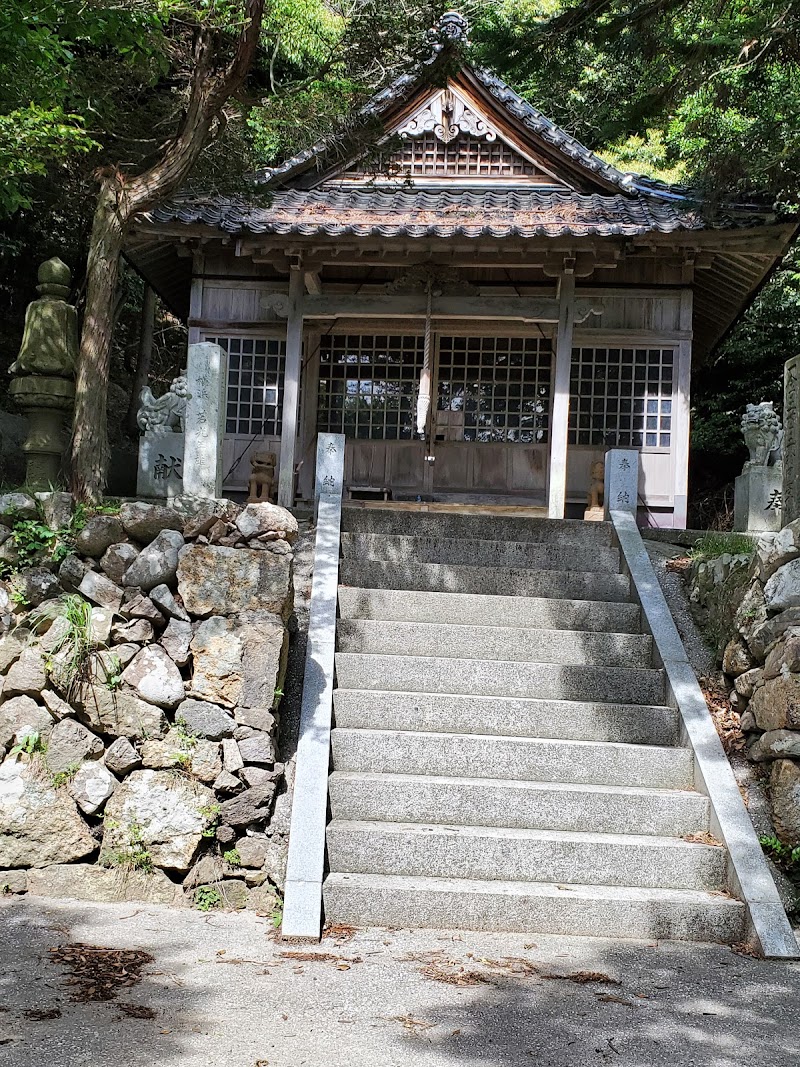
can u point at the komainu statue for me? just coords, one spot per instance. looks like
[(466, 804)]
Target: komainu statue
[(763, 435), (595, 496), (262, 478), (164, 413)]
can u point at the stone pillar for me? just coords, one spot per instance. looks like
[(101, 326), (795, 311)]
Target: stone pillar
[(44, 372), (205, 421), (291, 388), (559, 423), (329, 479), (790, 509), (621, 481)]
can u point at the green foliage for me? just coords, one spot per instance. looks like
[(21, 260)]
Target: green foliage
[(207, 897), (187, 737), (62, 778), (72, 654), (34, 541), (277, 914), (210, 812), (714, 545), (232, 857), (133, 854), (31, 744), (114, 670), (784, 856), (715, 83)]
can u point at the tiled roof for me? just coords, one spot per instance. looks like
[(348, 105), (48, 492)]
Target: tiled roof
[(518, 108), (436, 213)]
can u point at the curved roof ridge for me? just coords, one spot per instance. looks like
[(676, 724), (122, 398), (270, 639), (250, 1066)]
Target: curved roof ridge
[(520, 109)]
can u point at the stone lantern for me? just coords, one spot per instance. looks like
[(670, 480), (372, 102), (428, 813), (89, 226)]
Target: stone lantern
[(44, 373)]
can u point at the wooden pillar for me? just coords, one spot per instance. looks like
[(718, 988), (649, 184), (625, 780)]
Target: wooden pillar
[(681, 427), (291, 387), (559, 422)]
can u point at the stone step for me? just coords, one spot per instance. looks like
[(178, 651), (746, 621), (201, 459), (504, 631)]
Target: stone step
[(506, 581), (462, 641), (411, 606), (484, 527), (411, 798), (533, 907), (482, 853), (549, 681), (519, 758), (461, 714), (460, 551)]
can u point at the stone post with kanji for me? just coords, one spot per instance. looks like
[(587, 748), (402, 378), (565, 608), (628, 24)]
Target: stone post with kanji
[(621, 481), (205, 425), (790, 504)]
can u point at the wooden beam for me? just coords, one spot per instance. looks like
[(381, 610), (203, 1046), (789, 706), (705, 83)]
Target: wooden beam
[(313, 283), (539, 309)]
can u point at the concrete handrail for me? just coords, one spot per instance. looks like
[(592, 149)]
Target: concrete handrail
[(749, 878), (302, 906)]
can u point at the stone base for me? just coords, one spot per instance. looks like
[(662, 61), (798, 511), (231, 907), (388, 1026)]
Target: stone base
[(594, 515), (753, 508), (160, 473), (46, 401)]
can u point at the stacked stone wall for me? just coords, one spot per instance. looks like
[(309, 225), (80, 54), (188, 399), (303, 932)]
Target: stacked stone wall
[(142, 659), (761, 659)]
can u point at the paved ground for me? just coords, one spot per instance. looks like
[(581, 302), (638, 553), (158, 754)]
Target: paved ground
[(224, 994)]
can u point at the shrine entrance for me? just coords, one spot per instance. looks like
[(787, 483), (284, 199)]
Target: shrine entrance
[(485, 428)]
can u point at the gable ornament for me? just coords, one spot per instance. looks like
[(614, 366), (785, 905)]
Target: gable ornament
[(446, 116)]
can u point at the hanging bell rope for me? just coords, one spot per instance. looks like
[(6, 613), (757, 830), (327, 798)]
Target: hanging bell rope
[(424, 398)]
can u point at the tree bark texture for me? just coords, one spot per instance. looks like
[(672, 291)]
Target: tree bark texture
[(90, 451), (120, 198), (142, 372)]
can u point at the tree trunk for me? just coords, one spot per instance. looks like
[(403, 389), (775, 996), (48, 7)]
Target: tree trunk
[(89, 450), (119, 199), (143, 361)]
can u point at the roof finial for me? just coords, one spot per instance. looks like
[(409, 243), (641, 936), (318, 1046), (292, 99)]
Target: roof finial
[(452, 28)]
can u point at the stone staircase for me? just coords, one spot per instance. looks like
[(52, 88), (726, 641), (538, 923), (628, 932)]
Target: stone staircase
[(503, 758)]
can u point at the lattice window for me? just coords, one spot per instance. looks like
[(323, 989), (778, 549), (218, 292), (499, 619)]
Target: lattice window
[(255, 384), (494, 389), (465, 156), (368, 385), (621, 396)]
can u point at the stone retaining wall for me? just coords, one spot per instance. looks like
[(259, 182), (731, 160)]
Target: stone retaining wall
[(142, 660), (762, 662)]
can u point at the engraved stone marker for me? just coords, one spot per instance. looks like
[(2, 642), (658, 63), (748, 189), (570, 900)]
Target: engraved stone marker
[(205, 413), (790, 506), (621, 481)]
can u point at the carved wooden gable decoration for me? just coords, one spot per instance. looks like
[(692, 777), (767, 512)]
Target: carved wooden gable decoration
[(446, 136)]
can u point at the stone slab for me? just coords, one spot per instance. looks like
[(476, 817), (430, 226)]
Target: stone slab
[(757, 497), (160, 471), (204, 421)]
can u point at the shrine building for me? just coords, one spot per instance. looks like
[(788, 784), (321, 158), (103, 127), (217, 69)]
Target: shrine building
[(482, 306)]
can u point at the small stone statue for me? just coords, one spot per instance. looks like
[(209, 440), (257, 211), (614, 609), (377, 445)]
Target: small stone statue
[(164, 413), (763, 435), (596, 495), (262, 478), (596, 487)]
